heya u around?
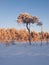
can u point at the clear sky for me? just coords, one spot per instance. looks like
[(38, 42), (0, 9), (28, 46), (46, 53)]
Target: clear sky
[(10, 9)]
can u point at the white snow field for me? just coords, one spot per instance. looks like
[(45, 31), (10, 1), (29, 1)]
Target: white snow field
[(24, 54)]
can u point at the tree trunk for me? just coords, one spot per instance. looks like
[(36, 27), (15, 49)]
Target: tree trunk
[(47, 38), (41, 35), (29, 36)]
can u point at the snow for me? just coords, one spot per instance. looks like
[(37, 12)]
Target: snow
[(24, 54)]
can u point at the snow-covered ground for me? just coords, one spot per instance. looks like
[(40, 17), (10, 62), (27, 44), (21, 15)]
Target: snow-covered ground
[(24, 54)]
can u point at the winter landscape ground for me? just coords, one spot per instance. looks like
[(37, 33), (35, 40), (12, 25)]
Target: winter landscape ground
[(24, 54)]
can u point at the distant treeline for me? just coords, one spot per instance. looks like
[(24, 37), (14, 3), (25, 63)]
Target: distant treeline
[(7, 35)]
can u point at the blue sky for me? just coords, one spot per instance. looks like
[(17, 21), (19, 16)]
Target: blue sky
[(10, 9)]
